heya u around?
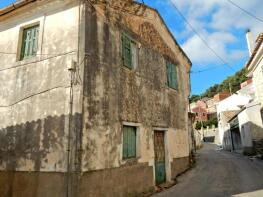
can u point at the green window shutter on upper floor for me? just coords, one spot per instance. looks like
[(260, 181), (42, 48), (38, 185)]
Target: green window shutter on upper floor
[(126, 51), (29, 42), (129, 142), (171, 75)]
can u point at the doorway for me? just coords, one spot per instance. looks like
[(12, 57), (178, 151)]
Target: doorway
[(159, 157)]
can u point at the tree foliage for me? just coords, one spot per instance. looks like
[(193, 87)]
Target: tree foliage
[(206, 124), (232, 82)]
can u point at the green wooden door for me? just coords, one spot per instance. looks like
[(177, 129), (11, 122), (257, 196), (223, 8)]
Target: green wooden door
[(160, 175)]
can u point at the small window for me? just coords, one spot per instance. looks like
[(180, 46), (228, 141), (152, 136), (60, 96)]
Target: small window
[(171, 75), (129, 52), (129, 142), (29, 42)]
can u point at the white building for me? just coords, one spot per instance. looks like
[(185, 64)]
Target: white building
[(226, 110), (255, 67)]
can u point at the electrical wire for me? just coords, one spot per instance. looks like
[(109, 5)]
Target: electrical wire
[(205, 70), (38, 54), (36, 61), (201, 38), (38, 93), (247, 12), (41, 92)]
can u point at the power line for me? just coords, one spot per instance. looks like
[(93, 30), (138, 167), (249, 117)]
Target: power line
[(38, 54), (204, 70), (247, 12), (36, 61), (44, 91), (35, 94), (202, 39)]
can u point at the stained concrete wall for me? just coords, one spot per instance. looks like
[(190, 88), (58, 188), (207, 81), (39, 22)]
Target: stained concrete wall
[(35, 97), (115, 95)]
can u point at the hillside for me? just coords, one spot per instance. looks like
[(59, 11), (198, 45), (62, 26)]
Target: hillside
[(233, 81)]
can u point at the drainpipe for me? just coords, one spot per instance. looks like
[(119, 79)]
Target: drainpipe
[(72, 70), (192, 129)]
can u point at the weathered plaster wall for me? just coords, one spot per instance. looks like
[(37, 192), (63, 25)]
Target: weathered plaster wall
[(113, 94), (251, 128), (34, 93), (251, 119), (258, 80), (245, 130)]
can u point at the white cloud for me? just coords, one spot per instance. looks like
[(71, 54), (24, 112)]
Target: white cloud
[(201, 54), (217, 21)]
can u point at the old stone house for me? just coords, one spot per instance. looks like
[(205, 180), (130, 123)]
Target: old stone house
[(93, 99)]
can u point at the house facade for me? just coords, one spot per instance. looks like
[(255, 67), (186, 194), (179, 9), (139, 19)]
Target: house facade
[(199, 108), (255, 69), (226, 111), (94, 99)]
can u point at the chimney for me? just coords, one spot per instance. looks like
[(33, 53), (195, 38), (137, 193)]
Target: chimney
[(249, 41)]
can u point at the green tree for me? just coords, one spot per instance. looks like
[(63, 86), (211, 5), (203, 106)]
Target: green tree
[(232, 82), (194, 98)]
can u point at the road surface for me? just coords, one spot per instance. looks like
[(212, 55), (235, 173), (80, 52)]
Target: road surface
[(219, 174)]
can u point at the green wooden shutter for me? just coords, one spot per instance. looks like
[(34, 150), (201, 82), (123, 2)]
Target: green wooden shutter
[(125, 143), (29, 42), (174, 76), (168, 74), (171, 75), (129, 142), (126, 51)]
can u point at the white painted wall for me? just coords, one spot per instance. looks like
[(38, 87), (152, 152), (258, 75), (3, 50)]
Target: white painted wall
[(232, 103), (57, 46), (258, 79), (250, 124)]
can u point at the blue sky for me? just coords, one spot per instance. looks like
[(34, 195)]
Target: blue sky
[(222, 25)]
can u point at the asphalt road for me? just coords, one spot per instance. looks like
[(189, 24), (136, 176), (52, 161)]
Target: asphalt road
[(219, 174)]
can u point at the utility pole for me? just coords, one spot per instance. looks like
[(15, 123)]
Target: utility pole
[(230, 88), (200, 116)]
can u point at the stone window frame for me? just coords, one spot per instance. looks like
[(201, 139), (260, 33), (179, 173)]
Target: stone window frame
[(175, 66), (138, 143), (134, 51), (22, 26), (35, 28)]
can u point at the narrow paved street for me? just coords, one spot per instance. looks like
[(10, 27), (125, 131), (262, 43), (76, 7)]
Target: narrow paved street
[(219, 173)]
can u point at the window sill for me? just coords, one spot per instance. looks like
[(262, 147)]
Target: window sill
[(130, 161), (170, 88), (130, 68), (27, 60)]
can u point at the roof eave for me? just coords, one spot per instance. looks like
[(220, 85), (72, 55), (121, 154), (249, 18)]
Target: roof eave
[(156, 11), (14, 6)]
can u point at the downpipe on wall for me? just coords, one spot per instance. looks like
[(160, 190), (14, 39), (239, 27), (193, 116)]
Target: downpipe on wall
[(72, 71)]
